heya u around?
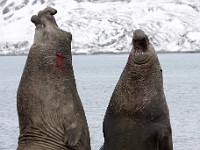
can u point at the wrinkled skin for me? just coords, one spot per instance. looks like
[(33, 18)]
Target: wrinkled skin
[(51, 116), (137, 117)]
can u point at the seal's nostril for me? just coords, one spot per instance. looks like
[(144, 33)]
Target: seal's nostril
[(51, 10), (55, 12), (48, 10)]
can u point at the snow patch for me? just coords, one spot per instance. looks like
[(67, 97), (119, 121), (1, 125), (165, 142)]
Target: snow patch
[(100, 26)]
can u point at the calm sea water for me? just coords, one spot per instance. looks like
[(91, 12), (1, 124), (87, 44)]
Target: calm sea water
[(96, 77)]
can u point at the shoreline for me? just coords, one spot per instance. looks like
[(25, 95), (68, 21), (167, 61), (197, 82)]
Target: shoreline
[(120, 53)]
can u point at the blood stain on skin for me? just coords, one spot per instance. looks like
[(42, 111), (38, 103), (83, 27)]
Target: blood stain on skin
[(59, 61)]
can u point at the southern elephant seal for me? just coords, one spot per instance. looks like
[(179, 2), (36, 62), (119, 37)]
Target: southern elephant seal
[(51, 115), (137, 117)]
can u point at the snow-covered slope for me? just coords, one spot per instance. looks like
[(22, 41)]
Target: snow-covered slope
[(100, 26)]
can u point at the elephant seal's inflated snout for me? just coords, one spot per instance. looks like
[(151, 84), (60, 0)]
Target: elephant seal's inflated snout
[(45, 17)]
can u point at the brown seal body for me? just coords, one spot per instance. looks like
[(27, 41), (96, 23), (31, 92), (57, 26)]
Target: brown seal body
[(137, 117), (51, 116)]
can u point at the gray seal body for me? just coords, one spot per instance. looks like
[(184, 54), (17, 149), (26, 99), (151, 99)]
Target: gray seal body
[(137, 117), (50, 112)]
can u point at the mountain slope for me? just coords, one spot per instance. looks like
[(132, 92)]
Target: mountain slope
[(101, 26)]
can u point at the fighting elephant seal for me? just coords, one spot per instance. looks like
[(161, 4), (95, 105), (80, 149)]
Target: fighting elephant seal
[(51, 116), (137, 117)]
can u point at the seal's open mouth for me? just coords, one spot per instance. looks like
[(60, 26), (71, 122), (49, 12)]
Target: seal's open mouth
[(140, 47)]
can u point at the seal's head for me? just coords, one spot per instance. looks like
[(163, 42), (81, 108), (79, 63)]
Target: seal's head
[(140, 47), (52, 45), (142, 57), (45, 18), (47, 29)]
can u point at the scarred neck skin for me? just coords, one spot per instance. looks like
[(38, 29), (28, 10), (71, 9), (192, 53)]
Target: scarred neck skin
[(140, 80)]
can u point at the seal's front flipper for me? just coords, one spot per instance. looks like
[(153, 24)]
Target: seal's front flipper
[(73, 134)]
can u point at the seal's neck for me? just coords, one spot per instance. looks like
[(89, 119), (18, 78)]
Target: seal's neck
[(138, 85)]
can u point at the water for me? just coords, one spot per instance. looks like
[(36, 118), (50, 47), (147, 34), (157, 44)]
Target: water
[(96, 77)]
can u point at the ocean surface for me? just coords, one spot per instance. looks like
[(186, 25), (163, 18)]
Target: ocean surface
[(96, 77)]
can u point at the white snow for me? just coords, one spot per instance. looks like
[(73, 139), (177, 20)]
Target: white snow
[(171, 25)]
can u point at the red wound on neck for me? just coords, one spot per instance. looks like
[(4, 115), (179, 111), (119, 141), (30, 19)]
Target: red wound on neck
[(58, 60)]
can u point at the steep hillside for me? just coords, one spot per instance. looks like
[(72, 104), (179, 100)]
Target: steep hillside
[(100, 26)]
